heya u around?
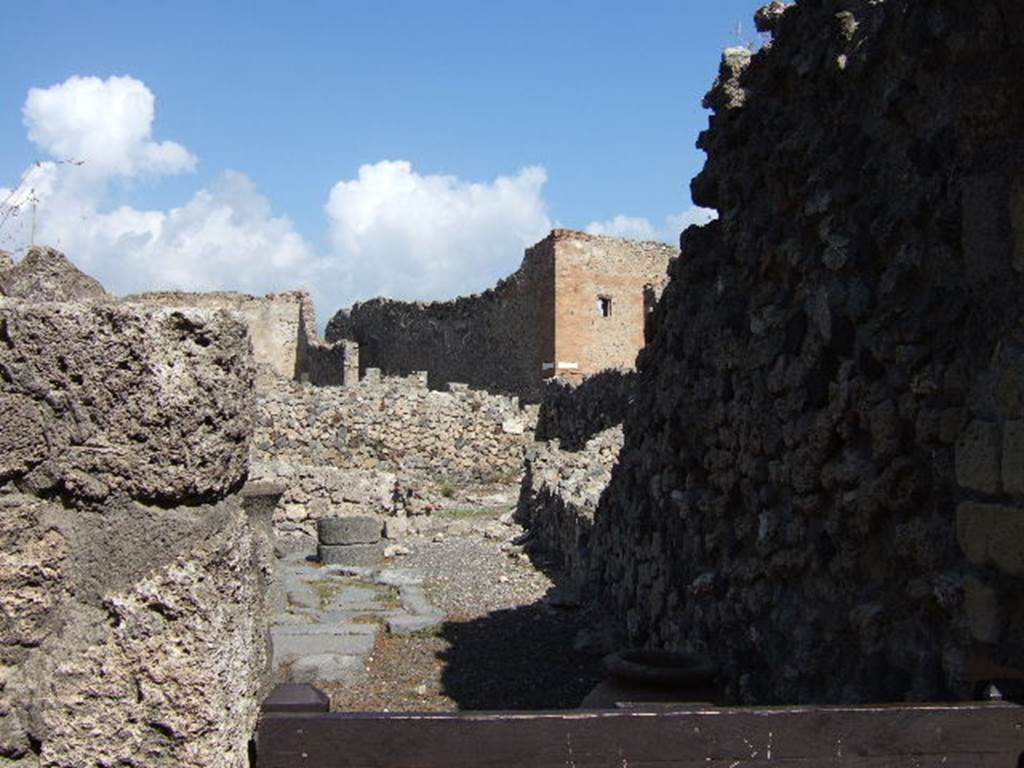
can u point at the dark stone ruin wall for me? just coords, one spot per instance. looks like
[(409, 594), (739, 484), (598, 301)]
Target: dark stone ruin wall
[(572, 412), (497, 340), (318, 362), (822, 483), (577, 440), (559, 495)]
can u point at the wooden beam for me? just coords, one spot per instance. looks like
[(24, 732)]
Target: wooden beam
[(969, 735), (296, 698)]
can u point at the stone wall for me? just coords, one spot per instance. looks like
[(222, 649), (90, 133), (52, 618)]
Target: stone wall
[(377, 446), (820, 480), (133, 627), (497, 340), (319, 362), (282, 328), (559, 496), (273, 320), (544, 320), (820, 483), (574, 412)]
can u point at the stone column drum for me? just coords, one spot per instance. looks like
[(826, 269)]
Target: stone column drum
[(349, 541)]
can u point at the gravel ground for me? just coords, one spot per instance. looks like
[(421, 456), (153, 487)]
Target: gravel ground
[(507, 642)]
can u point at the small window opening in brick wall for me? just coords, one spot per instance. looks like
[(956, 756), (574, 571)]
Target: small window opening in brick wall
[(604, 306)]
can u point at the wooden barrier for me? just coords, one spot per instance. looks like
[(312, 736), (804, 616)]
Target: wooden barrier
[(967, 735)]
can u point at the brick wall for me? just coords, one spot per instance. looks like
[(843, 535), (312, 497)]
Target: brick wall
[(600, 299), (508, 339)]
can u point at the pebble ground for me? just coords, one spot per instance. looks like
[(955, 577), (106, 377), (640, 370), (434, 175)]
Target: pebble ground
[(504, 643)]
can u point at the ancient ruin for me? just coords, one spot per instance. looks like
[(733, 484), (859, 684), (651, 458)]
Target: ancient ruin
[(128, 553), (819, 479), (812, 479), (577, 305)]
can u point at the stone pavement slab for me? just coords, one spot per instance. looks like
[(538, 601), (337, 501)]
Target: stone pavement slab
[(407, 625), (398, 577), (415, 600), (325, 628), (288, 647), (327, 668)]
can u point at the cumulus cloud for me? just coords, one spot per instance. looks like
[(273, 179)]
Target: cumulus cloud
[(392, 230), (106, 124), (100, 131), (633, 227), (398, 233), (640, 228), (225, 237)]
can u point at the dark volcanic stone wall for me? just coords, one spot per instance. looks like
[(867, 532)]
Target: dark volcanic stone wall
[(572, 413), (821, 484), (497, 340)]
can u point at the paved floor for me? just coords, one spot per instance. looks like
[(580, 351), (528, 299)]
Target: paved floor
[(327, 618)]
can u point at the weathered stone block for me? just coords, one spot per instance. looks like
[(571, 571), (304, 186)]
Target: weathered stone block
[(977, 457), (951, 423), (992, 535), (98, 398), (407, 625), (1013, 457), (107, 615), (981, 604), (350, 554), (396, 527), (47, 275), (349, 530)]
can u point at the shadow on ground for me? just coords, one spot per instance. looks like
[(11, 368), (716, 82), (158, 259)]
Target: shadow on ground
[(521, 658)]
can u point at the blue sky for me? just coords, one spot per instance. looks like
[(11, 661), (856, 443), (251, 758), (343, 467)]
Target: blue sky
[(599, 102)]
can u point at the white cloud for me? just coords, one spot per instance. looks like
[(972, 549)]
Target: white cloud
[(639, 228), (633, 227), (106, 124), (395, 232), (392, 231), (694, 215), (224, 238)]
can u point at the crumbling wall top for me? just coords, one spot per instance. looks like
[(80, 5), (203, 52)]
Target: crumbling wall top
[(45, 274)]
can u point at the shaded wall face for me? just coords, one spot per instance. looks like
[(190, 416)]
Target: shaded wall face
[(541, 304), (600, 301), (497, 340), (820, 485)]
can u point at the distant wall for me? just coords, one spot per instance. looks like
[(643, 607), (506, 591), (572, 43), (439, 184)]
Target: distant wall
[(512, 337), (273, 320), (573, 412), (321, 363), (282, 327), (497, 340), (366, 448), (604, 287)]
